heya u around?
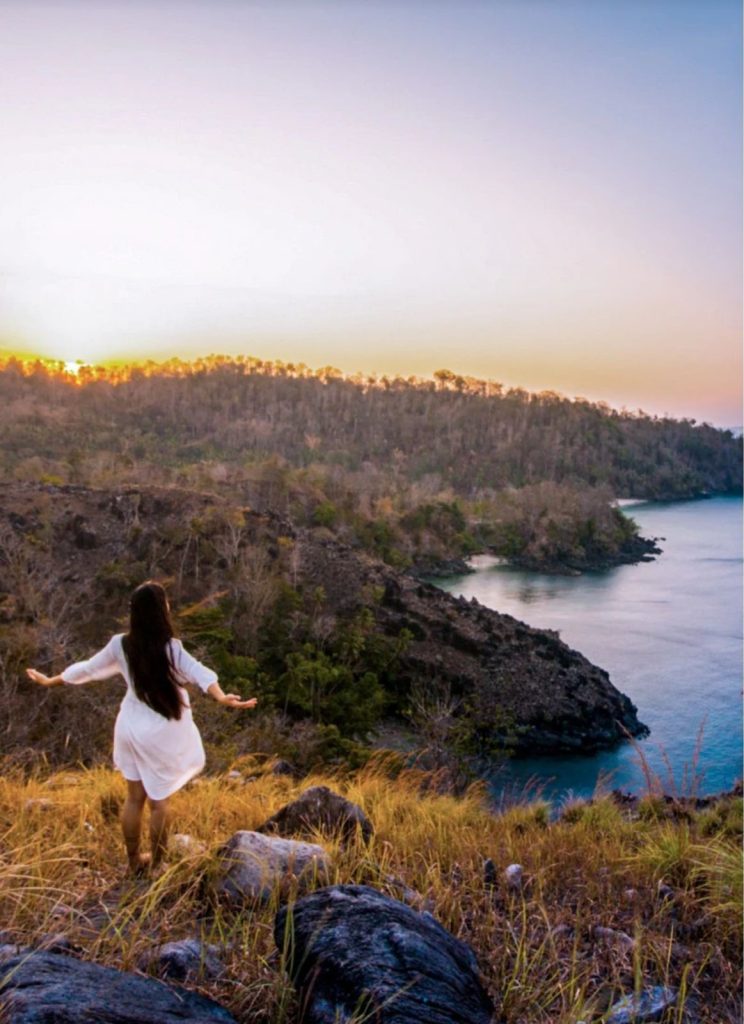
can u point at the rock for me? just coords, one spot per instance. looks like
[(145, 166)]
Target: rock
[(440, 569), (183, 960), (664, 891), (48, 988), (84, 536), (648, 1005), (39, 804), (694, 931), (251, 865), (351, 946), (613, 937), (513, 876), (489, 873), (185, 845), (234, 776), (319, 808), (57, 942), (408, 895), (283, 767)]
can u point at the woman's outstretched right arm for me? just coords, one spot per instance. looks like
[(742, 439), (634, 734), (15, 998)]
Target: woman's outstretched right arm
[(42, 680), (102, 665)]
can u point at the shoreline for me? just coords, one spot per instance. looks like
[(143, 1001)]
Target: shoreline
[(638, 550), (646, 549)]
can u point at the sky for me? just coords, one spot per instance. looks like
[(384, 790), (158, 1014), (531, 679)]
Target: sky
[(542, 192)]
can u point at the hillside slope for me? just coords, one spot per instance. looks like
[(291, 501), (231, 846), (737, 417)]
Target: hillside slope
[(318, 629), (471, 434)]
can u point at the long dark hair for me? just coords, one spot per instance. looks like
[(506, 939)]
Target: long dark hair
[(146, 649)]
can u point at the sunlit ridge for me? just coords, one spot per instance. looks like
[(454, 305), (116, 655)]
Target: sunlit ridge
[(83, 373)]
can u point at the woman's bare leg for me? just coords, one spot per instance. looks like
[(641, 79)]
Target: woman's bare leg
[(131, 822), (158, 829)]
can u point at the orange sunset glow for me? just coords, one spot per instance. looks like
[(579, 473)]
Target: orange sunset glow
[(546, 195)]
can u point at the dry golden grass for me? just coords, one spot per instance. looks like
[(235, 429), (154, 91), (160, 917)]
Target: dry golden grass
[(62, 870)]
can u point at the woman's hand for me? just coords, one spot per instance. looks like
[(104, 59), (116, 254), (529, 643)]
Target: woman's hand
[(42, 680), (233, 700)]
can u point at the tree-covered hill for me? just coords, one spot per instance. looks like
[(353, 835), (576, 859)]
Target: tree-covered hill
[(470, 435)]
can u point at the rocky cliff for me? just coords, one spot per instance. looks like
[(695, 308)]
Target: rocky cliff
[(525, 682)]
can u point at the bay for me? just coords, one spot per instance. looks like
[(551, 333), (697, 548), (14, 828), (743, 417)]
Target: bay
[(669, 632)]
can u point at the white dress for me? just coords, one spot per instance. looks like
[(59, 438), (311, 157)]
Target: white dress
[(161, 753)]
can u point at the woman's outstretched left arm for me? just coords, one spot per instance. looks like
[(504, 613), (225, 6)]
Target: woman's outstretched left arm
[(205, 678), (231, 699)]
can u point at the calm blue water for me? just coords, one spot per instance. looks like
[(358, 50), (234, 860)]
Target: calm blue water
[(669, 632)]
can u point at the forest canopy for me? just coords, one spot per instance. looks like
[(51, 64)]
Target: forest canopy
[(470, 435)]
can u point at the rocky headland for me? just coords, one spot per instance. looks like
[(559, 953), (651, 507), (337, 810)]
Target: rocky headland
[(523, 682), (633, 550), (88, 547)]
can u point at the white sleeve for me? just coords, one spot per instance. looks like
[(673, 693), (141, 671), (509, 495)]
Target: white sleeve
[(191, 670), (102, 665)]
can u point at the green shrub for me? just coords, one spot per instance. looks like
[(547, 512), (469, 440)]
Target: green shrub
[(325, 514)]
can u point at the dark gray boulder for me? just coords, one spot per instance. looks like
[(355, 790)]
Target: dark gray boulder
[(49, 988), (351, 947), (319, 808)]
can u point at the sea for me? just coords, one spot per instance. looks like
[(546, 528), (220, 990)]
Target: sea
[(669, 632)]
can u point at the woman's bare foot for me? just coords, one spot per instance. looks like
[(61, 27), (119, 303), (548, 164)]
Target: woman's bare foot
[(139, 865)]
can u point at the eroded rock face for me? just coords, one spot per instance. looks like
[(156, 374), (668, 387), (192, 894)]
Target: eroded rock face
[(251, 866), (48, 988), (352, 946), (319, 808)]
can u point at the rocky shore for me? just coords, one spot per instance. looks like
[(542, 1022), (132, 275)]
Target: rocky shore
[(440, 568), (637, 549)]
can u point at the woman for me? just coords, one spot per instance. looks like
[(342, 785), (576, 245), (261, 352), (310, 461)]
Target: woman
[(157, 746)]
